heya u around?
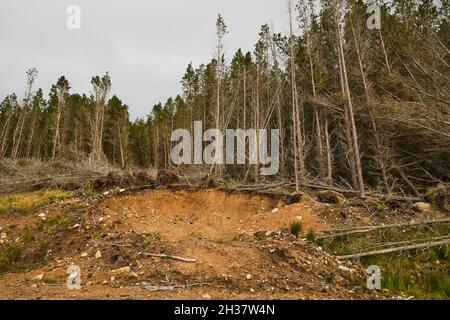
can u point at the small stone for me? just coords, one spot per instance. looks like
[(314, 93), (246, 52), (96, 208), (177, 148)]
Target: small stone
[(345, 269), (38, 278), (275, 210), (3, 236), (422, 207), (84, 255), (105, 193), (252, 290), (113, 278), (98, 255), (248, 276), (206, 296), (122, 270), (121, 190)]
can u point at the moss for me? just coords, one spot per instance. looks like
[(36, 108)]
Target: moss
[(30, 202)]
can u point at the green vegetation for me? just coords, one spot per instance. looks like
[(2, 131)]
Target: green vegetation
[(9, 255), (29, 202), (61, 222), (310, 235), (424, 274), (296, 228)]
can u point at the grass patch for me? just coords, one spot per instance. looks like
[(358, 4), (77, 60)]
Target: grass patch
[(423, 274), (29, 202), (310, 235), (9, 255), (296, 228), (60, 222)]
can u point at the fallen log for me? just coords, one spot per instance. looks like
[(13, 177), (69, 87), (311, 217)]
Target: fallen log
[(396, 249), (366, 229), (149, 287), (166, 256)]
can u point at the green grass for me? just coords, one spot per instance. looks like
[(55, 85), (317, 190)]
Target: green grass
[(60, 222), (296, 228), (9, 255), (310, 235), (423, 274), (29, 202)]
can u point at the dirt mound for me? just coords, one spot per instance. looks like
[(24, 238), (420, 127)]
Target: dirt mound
[(240, 243), (328, 196), (116, 179), (166, 178)]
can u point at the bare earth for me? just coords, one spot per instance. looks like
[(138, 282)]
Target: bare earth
[(235, 239)]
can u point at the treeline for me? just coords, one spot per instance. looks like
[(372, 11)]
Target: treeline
[(356, 107)]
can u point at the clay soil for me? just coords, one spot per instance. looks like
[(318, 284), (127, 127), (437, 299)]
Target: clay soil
[(240, 242)]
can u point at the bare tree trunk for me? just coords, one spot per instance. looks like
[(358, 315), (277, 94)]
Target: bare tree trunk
[(384, 51), (380, 157), (56, 139), (294, 101), (329, 177), (4, 135), (350, 113)]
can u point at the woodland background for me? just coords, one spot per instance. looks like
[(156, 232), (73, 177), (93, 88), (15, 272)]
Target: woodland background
[(357, 108)]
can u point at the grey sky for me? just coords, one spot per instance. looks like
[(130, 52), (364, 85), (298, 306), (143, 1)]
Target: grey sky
[(145, 45)]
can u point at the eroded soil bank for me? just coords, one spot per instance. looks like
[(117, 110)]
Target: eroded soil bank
[(241, 244)]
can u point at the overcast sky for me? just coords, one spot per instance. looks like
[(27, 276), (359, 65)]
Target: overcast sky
[(144, 44)]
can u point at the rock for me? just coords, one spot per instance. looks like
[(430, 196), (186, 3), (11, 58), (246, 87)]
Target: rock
[(329, 196), (275, 210), (248, 276), (3, 236), (252, 290), (422, 207), (98, 255), (122, 270), (38, 278), (84, 255), (206, 296), (345, 269)]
